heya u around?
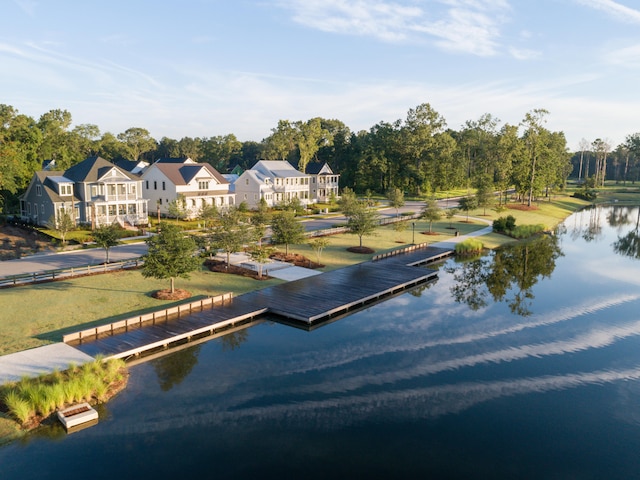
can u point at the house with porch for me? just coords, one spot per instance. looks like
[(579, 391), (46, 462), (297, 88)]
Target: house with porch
[(323, 183), (94, 192), (195, 185), (277, 181)]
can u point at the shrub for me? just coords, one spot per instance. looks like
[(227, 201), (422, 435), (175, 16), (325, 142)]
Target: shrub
[(504, 224)]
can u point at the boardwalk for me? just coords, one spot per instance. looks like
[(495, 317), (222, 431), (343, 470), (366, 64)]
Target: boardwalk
[(310, 301)]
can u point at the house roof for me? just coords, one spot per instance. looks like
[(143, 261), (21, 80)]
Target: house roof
[(174, 160), (316, 168), (277, 168), (93, 169), (131, 166), (184, 173)]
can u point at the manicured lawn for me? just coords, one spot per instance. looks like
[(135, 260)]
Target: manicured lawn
[(41, 314)]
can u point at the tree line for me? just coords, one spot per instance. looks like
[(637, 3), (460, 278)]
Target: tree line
[(418, 154)]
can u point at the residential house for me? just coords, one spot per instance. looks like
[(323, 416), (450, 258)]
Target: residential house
[(323, 182), (95, 191), (277, 181), (196, 185)]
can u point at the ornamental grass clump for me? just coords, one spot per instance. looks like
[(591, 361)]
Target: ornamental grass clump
[(32, 399), (526, 231), (470, 246)]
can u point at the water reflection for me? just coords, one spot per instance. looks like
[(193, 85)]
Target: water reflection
[(509, 275), (629, 245), (173, 369)]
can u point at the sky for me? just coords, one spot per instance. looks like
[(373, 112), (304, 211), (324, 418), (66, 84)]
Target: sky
[(205, 68)]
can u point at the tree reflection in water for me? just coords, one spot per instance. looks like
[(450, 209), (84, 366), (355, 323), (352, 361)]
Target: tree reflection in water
[(629, 245), (508, 275)]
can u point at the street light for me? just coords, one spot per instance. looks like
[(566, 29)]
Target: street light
[(413, 226)]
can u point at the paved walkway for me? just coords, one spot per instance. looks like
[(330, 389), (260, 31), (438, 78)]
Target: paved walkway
[(48, 358)]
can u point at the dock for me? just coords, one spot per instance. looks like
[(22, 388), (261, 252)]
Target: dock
[(309, 302)]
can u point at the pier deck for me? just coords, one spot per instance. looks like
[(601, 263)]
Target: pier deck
[(308, 300)]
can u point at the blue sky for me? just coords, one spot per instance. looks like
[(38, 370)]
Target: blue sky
[(203, 68)]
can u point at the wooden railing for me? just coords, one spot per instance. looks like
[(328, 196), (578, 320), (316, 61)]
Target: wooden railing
[(50, 275), (152, 317), (399, 251)]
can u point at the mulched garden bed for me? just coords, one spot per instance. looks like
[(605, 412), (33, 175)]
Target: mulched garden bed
[(297, 259), (178, 294)]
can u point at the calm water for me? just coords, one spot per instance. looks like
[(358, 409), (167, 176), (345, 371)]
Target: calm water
[(525, 364)]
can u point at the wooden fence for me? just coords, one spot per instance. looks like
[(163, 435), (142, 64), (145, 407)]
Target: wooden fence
[(138, 321), (410, 248), (51, 275)]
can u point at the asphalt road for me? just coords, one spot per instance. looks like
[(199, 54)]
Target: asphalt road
[(97, 256), (75, 258)]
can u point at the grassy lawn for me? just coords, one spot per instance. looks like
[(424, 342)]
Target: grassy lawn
[(70, 305)]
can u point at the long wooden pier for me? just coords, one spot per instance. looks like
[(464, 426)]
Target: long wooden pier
[(309, 301)]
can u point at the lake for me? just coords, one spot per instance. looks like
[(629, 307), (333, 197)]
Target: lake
[(522, 364)]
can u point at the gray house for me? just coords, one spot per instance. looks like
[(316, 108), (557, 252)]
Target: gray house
[(94, 191)]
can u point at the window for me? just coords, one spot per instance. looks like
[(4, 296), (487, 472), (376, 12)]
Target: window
[(42, 209), (164, 187), (39, 190), (246, 181), (65, 189), (155, 185), (147, 185), (203, 185)]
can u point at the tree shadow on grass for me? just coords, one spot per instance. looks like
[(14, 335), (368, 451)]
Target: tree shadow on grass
[(56, 335)]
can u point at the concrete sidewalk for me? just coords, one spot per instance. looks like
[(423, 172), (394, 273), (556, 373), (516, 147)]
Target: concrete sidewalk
[(33, 362)]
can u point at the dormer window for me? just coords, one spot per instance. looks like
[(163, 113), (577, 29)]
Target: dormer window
[(66, 189)]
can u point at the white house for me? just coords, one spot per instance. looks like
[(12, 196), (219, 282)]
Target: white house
[(277, 181), (195, 184), (324, 183)]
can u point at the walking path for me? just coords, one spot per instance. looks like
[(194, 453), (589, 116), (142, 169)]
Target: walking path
[(48, 358)]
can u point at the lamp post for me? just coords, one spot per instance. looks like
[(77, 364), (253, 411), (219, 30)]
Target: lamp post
[(413, 227)]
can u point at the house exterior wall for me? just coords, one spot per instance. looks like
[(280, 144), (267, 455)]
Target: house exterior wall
[(202, 190), (158, 190)]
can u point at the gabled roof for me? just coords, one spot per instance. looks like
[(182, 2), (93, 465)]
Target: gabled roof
[(316, 168), (92, 170), (277, 168), (131, 165), (174, 160), (184, 173)]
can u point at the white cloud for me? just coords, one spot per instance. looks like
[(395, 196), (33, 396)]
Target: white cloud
[(614, 9), (468, 26)]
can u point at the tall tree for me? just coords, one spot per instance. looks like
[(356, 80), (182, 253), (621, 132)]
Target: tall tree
[(231, 233), (107, 236), (281, 142), (361, 220), (431, 212), (170, 254), (533, 140), (396, 198), (137, 141), (286, 229), (310, 136)]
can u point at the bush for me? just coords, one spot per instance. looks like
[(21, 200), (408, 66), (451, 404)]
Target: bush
[(504, 224)]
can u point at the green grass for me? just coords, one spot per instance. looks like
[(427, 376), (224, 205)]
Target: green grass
[(71, 305), (43, 395)]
